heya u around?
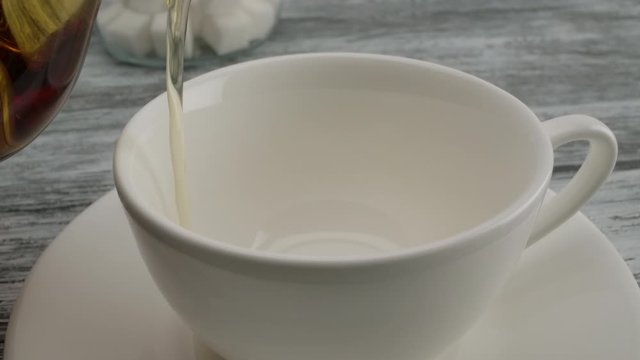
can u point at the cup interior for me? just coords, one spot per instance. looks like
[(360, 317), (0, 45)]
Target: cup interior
[(338, 155)]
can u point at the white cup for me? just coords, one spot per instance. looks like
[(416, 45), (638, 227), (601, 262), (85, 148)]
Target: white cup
[(346, 206)]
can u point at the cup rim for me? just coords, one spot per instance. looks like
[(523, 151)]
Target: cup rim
[(184, 239)]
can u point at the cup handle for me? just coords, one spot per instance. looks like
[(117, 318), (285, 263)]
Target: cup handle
[(603, 151)]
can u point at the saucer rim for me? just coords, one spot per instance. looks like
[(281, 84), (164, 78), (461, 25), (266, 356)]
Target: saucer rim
[(54, 250)]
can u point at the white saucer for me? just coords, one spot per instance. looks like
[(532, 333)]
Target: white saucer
[(90, 297)]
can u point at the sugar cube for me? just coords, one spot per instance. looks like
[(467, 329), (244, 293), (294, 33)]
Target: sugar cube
[(129, 30), (226, 27), (263, 17), (159, 36)]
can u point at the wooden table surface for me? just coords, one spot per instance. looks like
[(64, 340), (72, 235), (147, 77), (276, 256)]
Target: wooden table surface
[(559, 57)]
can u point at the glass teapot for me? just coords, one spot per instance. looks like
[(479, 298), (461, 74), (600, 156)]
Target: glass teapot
[(42, 47)]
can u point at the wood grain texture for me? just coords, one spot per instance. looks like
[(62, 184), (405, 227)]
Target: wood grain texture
[(559, 57)]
